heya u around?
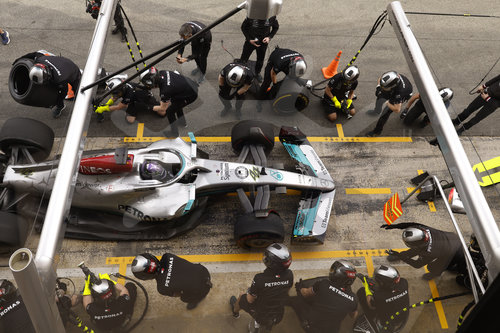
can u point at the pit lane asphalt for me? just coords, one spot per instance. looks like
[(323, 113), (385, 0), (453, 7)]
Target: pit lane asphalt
[(460, 51)]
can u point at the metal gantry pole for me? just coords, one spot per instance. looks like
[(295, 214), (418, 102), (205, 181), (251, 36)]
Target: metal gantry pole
[(479, 214), (38, 292)]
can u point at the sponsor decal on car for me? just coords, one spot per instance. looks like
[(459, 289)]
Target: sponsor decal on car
[(276, 175), (241, 172), (255, 173)]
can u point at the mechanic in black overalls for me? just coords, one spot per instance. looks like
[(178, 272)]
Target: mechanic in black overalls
[(258, 34), (395, 89), (57, 71), (415, 110), (134, 98), (339, 90), (109, 304), (200, 47), (176, 92), (287, 61), (382, 299), (234, 81), (487, 102), (323, 307), (14, 317), (439, 250), (175, 277), (266, 297)]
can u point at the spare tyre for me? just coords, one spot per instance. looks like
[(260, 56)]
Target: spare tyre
[(291, 97), (24, 91)]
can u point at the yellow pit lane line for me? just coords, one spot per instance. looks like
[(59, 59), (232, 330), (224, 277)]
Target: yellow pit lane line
[(341, 138)]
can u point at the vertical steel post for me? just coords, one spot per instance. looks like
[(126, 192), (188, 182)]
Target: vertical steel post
[(479, 214), (42, 271)]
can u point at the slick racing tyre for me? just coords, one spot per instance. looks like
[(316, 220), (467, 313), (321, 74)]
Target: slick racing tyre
[(13, 230), (242, 135), (290, 98), (258, 232), (26, 92), (27, 133)]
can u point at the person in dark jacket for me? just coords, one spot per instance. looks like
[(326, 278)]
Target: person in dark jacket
[(266, 297), (339, 93), (384, 298), (487, 102), (395, 89), (176, 92), (14, 317), (258, 34), (175, 277), (200, 47), (234, 81), (322, 307), (57, 71), (439, 250)]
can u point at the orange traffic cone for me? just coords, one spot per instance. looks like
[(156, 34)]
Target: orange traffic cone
[(70, 93), (331, 70)]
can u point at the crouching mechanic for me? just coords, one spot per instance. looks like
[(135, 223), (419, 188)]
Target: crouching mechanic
[(234, 81), (266, 297), (57, 71), (14, 317), (175, 277), (176, 92), (109, 304), (134, 98), (439, 250), (385, 298), (339, 93), (323, 307)]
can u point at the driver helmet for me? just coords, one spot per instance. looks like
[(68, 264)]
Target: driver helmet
[(236, 76), (351, 73), (416, 237), (277, 257), (389, 80), (446, 94), (152, 170), (342, 273), (104, 290), (7, 290), (145, 266), (150, 77), (386, 276), (39, 74), (298, 67)]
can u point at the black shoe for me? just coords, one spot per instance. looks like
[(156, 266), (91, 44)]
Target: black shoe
[(429, 276), (201, 79), (259, 78), (124, 37), (456, 121), (372, 134), (424, 123), (232, 302), (191, 306), (100, 117), (224, 112), (460, 130), (115, 31), (170, 134), (57, 111), (195, 71), (434, 142)]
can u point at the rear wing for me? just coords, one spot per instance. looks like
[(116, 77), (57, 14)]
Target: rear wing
[(315, 206)]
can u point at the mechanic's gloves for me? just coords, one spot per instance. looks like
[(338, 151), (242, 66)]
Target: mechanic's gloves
[(349, 102), (86, 290), (110, 102), (336, 102), (378, 91), (368, 292), (403, 113), (102, 109), (393, 255), (106, 276), (309, 84)]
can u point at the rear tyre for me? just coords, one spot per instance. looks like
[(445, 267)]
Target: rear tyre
[(31, 134), (13, 230), (241, 135), (258, 232)]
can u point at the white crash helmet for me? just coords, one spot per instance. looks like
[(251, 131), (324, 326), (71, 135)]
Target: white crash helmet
[(446, 94), (351, 73), (236, 76), (389, 80), (39, 74), (298, 67)]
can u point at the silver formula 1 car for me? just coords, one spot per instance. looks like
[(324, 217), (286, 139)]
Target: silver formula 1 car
[(160, 191)]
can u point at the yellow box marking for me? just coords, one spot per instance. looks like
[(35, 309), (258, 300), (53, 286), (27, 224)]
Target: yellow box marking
[(438, 304), (340, 131), (367, 191)]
